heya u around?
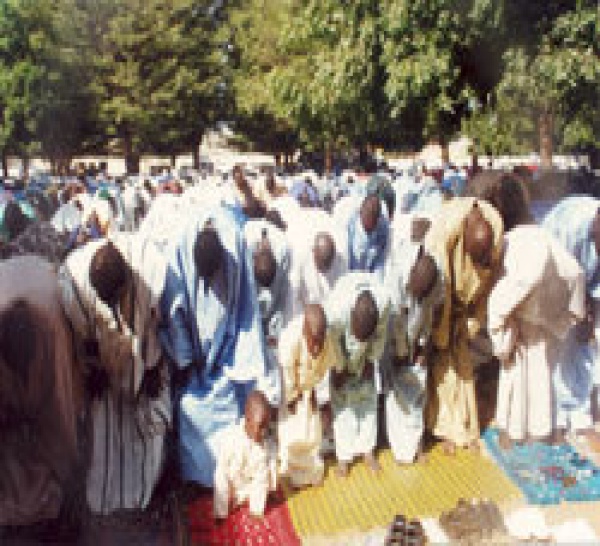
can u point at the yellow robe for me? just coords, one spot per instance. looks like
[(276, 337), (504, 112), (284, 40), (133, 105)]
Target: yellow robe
[(300, 433), (452, 409)]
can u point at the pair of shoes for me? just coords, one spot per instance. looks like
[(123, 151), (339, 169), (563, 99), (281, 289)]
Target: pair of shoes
[(403, 531)]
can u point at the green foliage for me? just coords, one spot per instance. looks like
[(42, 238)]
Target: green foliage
[(439, 58), (554, 69), (152, 75)]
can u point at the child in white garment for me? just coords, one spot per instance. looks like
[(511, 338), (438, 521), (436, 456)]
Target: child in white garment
[(246, 464)]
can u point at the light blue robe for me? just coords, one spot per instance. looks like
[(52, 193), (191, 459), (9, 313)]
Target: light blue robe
[(570, 221), (271, 300), (220, 321), (366, 251)]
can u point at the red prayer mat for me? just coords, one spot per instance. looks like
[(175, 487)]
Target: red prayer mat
[(240, 528)]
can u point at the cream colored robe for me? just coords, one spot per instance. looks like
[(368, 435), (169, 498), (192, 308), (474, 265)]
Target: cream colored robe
[(452, 408), (245, 472), (531, 309), (300, 433), (127, 428)]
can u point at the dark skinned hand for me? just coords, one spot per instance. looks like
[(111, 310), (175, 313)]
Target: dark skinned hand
[(338, 379), (152, 383), (368, 372), (326, 416), (291, 407), (182, 376), (313, 401), (97, 382)]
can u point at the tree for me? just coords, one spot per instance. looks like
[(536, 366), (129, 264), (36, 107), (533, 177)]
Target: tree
[(155, 73), (25, 28), (330, 85), (252, 47), (551, 78), (193, 97), (441, 57)]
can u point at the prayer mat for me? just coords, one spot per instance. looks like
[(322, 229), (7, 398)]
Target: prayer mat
[(366, 500), (547, 474), (240, 528)]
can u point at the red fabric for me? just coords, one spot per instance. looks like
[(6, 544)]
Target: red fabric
[(240, 528)]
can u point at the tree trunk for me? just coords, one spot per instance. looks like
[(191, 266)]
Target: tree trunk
[(278, 159), (546, 128), (132, 159), (25, 164), (5, 164), (445, 146), (196, 157), (328, 159), (173, 160)]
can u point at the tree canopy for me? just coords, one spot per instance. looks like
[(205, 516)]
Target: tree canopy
[(151, 76)]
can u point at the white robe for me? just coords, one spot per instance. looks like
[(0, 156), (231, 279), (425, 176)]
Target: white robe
[(531, 308), (354, 405), (410, 330), (165, 220), (300, 433), (308, 284), (244, 472), (128, 428)]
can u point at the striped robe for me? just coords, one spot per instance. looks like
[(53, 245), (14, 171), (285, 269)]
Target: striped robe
[(127, 428)]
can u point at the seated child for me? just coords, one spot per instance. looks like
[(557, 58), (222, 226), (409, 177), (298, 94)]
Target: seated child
[(245, 466)]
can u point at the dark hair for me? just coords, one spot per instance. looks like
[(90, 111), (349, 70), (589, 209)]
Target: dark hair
[(18, 338), (208, 252), (15, 220), (364, 316), (108, 272), (265, 267), (506, 192)]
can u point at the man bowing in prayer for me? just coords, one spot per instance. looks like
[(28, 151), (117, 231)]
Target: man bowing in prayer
[(531, 308), (575, 223), (213, 335), (111, 293), (368, 230), (466, 239), (319, 259), (416, 290), (357, 309), (270, 254)]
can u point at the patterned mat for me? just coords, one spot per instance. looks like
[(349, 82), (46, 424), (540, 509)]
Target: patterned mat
[(240, 528), (366, 500), (547, 474)]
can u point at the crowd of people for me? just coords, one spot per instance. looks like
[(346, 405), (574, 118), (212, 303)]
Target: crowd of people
[(239, 329)]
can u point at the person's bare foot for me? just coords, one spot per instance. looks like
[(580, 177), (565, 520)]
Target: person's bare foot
[(504, 441), (422, 457), (449, 448), (342, 470), (372, 462), (474, 446)]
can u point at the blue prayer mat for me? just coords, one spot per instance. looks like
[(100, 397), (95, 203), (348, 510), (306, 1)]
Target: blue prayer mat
[(547, 474)]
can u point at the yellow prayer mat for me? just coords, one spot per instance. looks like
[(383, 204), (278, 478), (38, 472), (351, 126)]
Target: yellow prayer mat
[(366, 500)]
